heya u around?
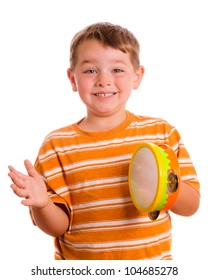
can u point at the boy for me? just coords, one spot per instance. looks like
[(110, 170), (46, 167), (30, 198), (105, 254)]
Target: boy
[(78, 191)]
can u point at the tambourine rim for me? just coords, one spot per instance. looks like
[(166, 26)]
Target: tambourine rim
[(161, 177)]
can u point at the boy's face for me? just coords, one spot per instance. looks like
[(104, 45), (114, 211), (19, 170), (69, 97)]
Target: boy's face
[(104, 78)]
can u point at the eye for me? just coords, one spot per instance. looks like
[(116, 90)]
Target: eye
[(90, 71), (118, 70)]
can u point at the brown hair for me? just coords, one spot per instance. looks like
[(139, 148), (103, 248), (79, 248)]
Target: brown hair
[(110, 35)]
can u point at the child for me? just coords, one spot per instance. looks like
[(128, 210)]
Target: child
[(78, 191)]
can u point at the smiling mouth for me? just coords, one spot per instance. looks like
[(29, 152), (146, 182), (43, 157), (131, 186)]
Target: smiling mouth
[(105, 94)]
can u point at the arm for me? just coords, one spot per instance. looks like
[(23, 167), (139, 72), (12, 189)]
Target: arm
[(188, 200), (51, 219), (47, 216)]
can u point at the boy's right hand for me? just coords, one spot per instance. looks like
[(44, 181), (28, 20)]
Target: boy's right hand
[(31, 186)]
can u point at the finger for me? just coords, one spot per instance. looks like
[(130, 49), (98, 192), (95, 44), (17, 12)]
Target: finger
[(30, 169), (15, 172), (11, 168), (18, 191), (27, 202), (19, 182)]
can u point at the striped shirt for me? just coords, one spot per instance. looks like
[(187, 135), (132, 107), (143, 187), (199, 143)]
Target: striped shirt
[(88, 173)]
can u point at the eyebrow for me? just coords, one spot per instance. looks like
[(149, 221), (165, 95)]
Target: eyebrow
[(86, 61)]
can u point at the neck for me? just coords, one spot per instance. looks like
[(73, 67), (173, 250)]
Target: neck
[(93, 123)]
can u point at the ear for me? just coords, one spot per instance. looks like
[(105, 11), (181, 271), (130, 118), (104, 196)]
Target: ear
[(72, 79), (138, 77)]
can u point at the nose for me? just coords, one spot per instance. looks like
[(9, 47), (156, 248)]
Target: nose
[(103, 80)]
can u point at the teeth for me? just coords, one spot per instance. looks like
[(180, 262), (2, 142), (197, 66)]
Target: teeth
[(104, 94)]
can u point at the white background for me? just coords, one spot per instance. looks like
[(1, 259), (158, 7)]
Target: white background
[(36, 98)]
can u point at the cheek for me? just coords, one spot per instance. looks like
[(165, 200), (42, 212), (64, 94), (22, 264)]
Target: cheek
[(84, 85), (82, 90), (125, 84)]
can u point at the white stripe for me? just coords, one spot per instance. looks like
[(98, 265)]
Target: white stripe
[(99, 182), (99, 145), (98, 161), (56, 172), (61, 134), (62, 190), (78, 187), (104, 203), (121, 244), (130, 225), (104, 207), (149, 121), (161, 256), (190, 177), (175, 147), (117, 223), (89, 164), (184, 161)]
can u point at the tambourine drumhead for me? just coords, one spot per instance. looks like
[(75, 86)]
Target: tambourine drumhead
[(149, 172), (144, 177)]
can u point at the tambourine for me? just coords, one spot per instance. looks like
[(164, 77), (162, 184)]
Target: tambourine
[(154, 178)]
